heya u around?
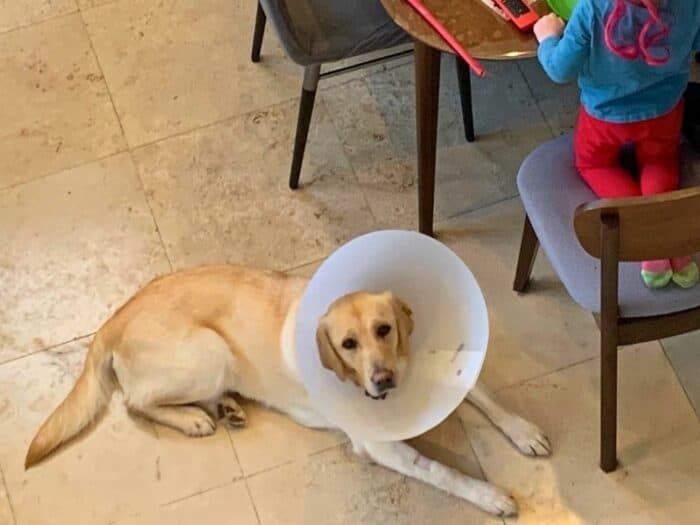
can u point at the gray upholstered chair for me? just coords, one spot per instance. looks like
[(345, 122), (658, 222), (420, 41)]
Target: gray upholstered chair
[(592, 245), (315, 32)]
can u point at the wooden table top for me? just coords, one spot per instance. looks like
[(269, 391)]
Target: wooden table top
[(480, 31)]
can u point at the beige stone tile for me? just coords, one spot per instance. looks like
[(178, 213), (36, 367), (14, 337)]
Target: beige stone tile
[(375, 118), (87, 4), (335, 487), (449, 443), (272, 439), (659, 447), (186, 466), (75, 246), (107, 474), (122, 467), (306, 270), (173, 66), (533, 334), (220, 194), (60, 113), (682, 353), (228, 504), (6, 515), (18, 13)]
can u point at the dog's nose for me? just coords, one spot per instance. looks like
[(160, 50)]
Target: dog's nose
[(383, 380)]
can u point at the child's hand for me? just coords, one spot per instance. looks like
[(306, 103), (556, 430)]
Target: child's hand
[(550, 25)]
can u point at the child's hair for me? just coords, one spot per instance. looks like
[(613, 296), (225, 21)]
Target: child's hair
[(645, 40)]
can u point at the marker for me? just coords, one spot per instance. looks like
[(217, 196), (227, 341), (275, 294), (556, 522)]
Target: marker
[(447, 36)]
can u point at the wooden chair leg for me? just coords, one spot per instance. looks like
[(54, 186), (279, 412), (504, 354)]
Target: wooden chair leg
[(464, 78), (609, 329), (526, 260), (608, 401), (427, 66), (258, 33), (306, 107)]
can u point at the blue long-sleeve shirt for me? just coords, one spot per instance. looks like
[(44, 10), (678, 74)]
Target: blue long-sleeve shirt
[(612, 88)]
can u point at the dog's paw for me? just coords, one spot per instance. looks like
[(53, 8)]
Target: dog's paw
[(230, 413), (527, 437), (197, 423), (497, 502)]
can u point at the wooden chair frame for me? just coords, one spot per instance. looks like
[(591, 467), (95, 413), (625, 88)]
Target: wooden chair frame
[(620, 230)]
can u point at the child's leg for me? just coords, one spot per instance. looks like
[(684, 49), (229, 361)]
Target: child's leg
[(597, 151), (659, 158)]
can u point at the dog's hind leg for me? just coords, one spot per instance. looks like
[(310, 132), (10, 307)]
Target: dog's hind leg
[(167, 380), (526, 436), (226, 410), (190, 420)]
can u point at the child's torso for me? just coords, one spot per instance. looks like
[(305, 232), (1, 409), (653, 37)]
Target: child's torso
[(622, 90)]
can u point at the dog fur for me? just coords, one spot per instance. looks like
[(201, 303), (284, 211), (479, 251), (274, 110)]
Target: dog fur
[(183, 344)]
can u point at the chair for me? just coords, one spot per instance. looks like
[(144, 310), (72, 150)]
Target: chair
[(315, 32), (592, 245)]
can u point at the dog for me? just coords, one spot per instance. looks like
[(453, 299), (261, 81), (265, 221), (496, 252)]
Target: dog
[(187, 341)]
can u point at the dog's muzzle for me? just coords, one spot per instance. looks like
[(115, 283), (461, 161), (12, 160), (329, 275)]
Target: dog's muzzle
[(377, 398)]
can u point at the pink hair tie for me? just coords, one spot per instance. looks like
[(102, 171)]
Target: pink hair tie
[(645, 40)]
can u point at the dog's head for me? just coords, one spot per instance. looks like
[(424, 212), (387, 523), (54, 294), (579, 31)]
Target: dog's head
[(364, 337)]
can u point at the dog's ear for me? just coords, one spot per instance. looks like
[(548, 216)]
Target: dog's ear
[(404, 323), (329, 356)]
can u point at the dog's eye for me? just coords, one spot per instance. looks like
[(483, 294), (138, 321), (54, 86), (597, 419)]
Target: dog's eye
[(383, 330), (349, 343)]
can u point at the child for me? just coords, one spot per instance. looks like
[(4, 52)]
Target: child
[(632, 60)]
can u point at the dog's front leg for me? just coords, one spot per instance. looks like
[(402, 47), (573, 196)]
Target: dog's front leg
[(406, 460), (529, 439)]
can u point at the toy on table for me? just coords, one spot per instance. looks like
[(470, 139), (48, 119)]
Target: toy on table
[(519, 13), (562, 8), (449, 39)]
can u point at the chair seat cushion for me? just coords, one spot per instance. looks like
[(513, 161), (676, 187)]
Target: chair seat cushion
[(551, 190), (320, 31)]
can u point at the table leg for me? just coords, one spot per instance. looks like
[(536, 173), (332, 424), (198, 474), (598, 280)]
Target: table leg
[(464, 79), (427, 60)]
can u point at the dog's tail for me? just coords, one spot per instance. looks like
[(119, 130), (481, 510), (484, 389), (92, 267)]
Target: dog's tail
[(90, 395)]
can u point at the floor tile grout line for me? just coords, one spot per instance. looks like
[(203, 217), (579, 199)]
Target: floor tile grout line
[(484, 207), (47, 349), (97, 6), (40, 22), (150, 209), (243, 114), (245, 478), (9, 497), (203, 491), (349, 161), (104, 79), (535, 100), (465, 431), (223, 120), (267, 470), (62, 170), (685, 391), (345, 442), (252, 501), (545, 374), (300, 266)]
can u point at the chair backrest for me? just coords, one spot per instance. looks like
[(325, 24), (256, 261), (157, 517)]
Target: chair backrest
[(655, 227), (319, 31)]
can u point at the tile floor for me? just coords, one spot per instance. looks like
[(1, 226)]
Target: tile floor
[(136, 137)]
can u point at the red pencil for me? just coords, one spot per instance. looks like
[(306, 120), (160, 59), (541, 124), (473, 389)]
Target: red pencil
[(447, 36)]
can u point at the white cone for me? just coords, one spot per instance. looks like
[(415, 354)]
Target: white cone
[(448, 344)]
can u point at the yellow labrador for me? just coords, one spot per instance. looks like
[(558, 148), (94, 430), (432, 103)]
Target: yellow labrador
[(186, 341)]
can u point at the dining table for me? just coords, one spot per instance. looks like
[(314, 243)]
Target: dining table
[(487, 36)]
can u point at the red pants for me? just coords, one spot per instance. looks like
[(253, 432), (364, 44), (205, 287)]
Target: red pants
[(657, 147)]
